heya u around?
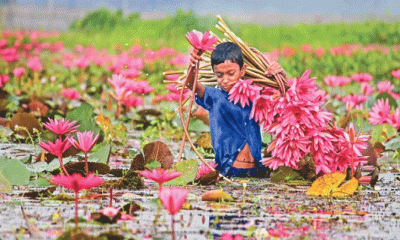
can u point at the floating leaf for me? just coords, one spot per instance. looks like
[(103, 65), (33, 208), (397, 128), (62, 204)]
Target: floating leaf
[(198, 126), (346, 189), (138, 162), (24, 120), (9, 168), (94, 167), (84, 116), (382, 132), (325, 184), (158, 151), (102, 153), (216, 196), (5, 185), (131, 208), (43, 193), (283, 174), (189, 172), (153, 165), (209, 178)]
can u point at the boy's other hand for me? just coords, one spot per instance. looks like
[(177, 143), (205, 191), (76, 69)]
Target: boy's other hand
[(273, 69), (195, 56)]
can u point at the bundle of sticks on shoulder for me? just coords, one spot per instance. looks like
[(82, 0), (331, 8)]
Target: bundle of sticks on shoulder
[(256, 62)]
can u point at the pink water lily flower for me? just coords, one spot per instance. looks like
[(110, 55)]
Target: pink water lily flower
[(396, 73), (173, 198), (201, 41), (367, 89), (380, 112), (362, 77), (243, 91), (85, 141), (160, 175), (62, 126), (76, 183), (57, 148), (203, 169), (70, 94), (34, 64)]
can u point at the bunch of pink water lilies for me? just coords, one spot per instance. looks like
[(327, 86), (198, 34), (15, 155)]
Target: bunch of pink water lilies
[(86, 141)]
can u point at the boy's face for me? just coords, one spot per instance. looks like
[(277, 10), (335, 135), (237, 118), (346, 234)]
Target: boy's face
[(228, 73)]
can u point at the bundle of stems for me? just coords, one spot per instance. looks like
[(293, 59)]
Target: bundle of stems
[(256, 62)]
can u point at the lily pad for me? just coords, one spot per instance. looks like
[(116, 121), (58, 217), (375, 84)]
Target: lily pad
[(382, 132), (330, 184), (189, 171), (9, 168), (84, 116), (5, 185), (102, 153), (94, 167), (24, 124)]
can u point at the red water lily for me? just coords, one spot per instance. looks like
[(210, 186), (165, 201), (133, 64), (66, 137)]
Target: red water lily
[(76, 183), (62, 126), (160, 175), (201, 41)]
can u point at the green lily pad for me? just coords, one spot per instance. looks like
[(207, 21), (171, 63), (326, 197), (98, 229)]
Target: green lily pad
[(102, 153), (84, 116), (14, 171), (382, 132), (5, 185), (189, 171)]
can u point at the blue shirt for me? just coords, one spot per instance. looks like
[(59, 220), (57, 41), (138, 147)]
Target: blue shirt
[(230, 129)]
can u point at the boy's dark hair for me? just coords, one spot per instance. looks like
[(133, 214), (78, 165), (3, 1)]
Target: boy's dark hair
[(227, 51)]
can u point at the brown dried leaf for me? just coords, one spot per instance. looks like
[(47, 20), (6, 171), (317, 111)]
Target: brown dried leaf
[(79, 167), (307, 167), (209, 178), (138, 162), (160, 152), (26, 120)]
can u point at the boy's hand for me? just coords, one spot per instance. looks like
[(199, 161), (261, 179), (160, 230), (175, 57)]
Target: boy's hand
[(195, 56), (273, 69)]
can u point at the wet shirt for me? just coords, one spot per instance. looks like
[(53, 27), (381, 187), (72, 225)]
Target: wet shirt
[(230, 129)]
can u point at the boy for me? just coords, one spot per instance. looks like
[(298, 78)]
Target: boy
[(235, 138)]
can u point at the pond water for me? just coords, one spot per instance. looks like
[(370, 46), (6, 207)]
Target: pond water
[(261, 209)]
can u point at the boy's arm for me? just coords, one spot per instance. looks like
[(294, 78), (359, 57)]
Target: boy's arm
[(195, 56)]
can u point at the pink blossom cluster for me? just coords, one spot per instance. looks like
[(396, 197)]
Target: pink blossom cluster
[(126, 90), (299, 124)]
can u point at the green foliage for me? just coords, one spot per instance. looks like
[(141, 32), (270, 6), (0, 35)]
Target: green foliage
[(386, 95), (189, 171), (9, 169), (382, 132), (84, 116), (103, 20), (102, 153)]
